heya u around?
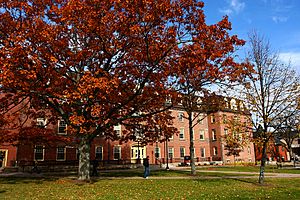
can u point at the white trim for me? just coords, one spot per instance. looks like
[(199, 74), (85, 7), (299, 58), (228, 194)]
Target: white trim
[(58, 126), (64, 153), (120, 152), (101, 152), (34, 152)]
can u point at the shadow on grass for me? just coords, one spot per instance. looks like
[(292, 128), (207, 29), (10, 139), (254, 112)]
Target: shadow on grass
[(21, 180)]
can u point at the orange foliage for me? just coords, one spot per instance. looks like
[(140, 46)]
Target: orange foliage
[(101, 63)]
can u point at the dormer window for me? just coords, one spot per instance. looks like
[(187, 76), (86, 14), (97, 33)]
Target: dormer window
[(41, 122), (233, 104), (117, 129), (180, 116), (62, 127)]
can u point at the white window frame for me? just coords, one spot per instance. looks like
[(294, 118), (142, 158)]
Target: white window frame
[(57, 152), (181, 134), (225, 131), (59, 125), (202, 133), (201, 119), (119, 151), (181, 116), (215, 151), (118, 129), (41, 122), (214, 134), (35, 151), (202, 149), (212, 119), (171, 152), (97, 152), (157, 151), (182, 148)]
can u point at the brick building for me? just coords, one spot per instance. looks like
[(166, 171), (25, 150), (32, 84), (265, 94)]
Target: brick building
[(208, 143)]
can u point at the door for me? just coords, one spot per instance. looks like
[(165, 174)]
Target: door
[(138, 152), (3, 158)]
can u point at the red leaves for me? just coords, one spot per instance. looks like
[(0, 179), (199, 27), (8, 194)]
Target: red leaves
[(100, 63)]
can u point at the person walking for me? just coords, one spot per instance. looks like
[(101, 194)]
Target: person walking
[(147, 167)]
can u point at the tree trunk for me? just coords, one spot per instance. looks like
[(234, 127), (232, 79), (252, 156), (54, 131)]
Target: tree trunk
[(193, 167), (294, 156), (84, 160), (263, 164)]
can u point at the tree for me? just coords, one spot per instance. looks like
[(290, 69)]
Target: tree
[(96, 64), (210, 60), (270, 93), (288, 132), (237, 137)]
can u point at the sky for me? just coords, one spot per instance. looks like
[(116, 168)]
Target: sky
[(276, 20)]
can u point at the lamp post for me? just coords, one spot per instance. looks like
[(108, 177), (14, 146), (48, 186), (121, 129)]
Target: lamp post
[(167, 150), (138, 136)]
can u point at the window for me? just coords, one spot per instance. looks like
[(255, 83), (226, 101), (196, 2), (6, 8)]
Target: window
[(224, 118), (215, 151), (236, 118), (99, 153), (182, 152), (227, 104), (77, 154), (181, 134), (39, 152), (60, 153), (202, 134), (180, 116), (249, 150), (117, 129), (193, 133), (201, 118), (194, 150), (157, 152), (117, 152), (214, 134), (212, 119), (242, 106), (41, 122), (171, 152), (202, 152), (233, 104), (225, 131), (62, 127)]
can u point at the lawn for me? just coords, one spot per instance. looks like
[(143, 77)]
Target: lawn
[(170, 173), (21, 188), (268, 169)]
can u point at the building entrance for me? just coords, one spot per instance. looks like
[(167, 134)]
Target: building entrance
[(138, 153), (3, 158)]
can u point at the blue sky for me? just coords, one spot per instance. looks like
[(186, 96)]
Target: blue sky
[(277, 20)]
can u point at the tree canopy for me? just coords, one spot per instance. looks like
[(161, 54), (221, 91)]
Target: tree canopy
[(96, 64)]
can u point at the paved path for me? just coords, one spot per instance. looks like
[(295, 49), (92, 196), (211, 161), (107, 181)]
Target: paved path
[(205, 176)]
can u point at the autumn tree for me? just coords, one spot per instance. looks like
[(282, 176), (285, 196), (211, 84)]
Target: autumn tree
[(270, 93), (96, 64), (208, 61), (237, 137)]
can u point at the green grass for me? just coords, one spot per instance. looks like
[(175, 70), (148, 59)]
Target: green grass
[(170, 173), (20, 188), (269, 169)]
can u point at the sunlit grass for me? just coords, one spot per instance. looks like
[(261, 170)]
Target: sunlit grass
[(268, 169), (18, 188)]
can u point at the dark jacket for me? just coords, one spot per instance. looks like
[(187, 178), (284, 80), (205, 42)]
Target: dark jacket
[(146, 162)]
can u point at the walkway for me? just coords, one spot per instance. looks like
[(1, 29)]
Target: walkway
[(204, 176)]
